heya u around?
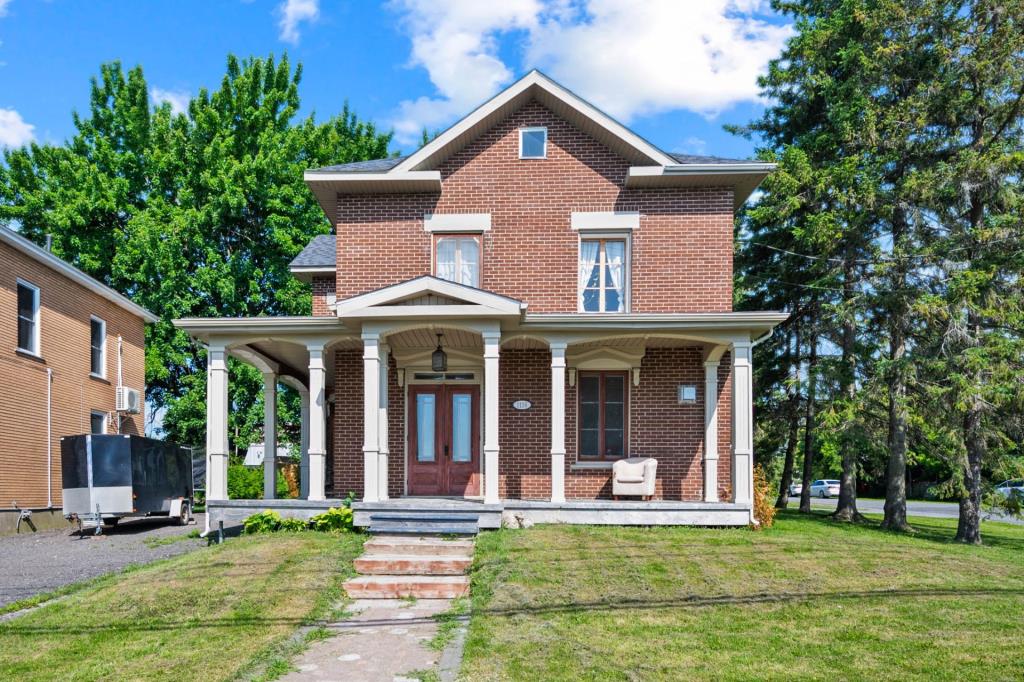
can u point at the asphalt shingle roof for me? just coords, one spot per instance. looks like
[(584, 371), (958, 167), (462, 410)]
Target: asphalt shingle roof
[(319, 253), (372, 166), (692, 158)]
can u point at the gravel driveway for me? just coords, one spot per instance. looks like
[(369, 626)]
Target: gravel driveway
[(31, 563)]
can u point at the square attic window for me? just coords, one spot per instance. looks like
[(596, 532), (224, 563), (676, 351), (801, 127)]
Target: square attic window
[(533, 143)]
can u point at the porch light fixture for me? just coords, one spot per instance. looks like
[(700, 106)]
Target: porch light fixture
[(439, 359)]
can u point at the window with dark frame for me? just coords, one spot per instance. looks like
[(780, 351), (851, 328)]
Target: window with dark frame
[(98, 423), (603, 428), (97, 346), (28, 318)]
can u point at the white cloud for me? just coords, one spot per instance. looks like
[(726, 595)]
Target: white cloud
[(178, 99), (3, 7), (293, 13), (629, 58), (694, 145), (14, 132)]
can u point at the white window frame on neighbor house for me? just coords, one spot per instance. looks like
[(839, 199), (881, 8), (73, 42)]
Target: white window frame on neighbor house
[(603, 237), (458, 238), (533, 129), (35, 344), (106, 421), (102, 374)]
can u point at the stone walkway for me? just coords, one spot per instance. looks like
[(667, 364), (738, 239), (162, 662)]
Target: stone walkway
[(386, 641)]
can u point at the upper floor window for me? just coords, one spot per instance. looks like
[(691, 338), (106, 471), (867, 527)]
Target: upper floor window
[(603, 275), (457, 259), (28, 317), (98, 347), (533, 143)]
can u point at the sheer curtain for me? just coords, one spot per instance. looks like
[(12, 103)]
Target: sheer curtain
[(469, 262), (446, 259), (614, 254), (589, 252)]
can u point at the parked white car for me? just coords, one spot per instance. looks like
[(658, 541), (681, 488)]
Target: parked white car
[(1012, 487), (824, 488), (795, 489)]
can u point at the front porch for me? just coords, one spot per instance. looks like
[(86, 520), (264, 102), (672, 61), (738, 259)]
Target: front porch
[(507, 427)]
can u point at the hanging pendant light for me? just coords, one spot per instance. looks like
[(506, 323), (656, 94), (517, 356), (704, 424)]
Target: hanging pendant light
[(439, 359)]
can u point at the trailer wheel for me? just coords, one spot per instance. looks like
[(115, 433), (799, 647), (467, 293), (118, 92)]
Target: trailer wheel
[(182, 519), (111, 521)]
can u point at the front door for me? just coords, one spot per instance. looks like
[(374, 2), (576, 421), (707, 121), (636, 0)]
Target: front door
[(444, 440)]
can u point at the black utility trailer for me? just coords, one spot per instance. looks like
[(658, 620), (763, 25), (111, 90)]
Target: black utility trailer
[(110, 477)]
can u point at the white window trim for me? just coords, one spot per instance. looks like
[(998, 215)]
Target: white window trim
[(458, 256), (533, 129), (606, 220), (102, 374), (457, 222), (106, 421), (36, 318), (626, 274)]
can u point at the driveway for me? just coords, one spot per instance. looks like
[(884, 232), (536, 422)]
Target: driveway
[(31, 563), (941, 510)]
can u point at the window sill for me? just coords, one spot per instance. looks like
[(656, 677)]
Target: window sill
[(99, 377), (583, 466), (29, 354)]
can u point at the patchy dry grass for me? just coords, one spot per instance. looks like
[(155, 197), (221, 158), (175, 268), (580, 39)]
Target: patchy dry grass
[(213, 614), (807, 599)]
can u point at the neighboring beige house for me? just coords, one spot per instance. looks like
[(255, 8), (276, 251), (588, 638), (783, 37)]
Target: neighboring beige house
[(67, 344)]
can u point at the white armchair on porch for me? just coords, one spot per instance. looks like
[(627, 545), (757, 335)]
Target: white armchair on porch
[(634, 476)]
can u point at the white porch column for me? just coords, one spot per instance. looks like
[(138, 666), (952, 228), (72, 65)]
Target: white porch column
[(304, 444), (371, 415), (711, 431), (317, 422), (384, 450), (743, 423), (217, 423), (492, 340), (558, 421), (269, 435)]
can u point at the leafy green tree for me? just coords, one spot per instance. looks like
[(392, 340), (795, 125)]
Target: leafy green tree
[(195, 214)]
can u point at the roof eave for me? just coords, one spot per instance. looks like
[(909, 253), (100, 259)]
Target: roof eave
[(742, 177)]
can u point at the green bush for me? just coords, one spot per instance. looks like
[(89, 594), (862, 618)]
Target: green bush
[(293, 525), (263, 522), (246, 483), (332, 520)]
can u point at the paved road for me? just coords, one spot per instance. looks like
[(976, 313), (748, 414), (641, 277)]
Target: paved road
[(31, 563), (942, 510)]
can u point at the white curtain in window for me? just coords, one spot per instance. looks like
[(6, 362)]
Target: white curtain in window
[(589, 252), (446, 259), (469, 252), (614, 253)]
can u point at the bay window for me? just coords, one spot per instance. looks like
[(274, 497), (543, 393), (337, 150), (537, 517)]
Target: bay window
[(603, 276), (457, 259)]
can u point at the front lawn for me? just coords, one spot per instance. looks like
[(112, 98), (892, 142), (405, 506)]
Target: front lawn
[(209, 615), (807, 599)]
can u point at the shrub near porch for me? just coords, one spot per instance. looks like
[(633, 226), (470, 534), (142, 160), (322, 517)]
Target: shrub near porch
[(807, 599)]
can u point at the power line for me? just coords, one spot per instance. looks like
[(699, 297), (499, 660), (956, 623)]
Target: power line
[(866, 261)]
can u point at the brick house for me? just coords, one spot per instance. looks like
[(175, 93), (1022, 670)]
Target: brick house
[(67, 342), (502, 315)]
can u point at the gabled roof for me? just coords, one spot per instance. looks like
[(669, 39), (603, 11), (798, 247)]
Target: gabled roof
[(32, 250), (429, 296), (650, 166)]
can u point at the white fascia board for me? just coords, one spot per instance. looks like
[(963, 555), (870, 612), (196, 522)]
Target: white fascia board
[(393, 175), (249, 325), (431, 312), (653, 321), (709, 169), (533, 78), (606, 220), (32, 250), (457, 222)]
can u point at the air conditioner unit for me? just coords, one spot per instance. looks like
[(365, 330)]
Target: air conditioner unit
[(128, 400)]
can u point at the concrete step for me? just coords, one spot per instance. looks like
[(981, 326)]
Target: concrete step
[(397, 586), (435, 517), (404, 545), (422, 528), (397, 564)]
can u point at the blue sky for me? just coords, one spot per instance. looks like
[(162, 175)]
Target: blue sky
[(673, 70)]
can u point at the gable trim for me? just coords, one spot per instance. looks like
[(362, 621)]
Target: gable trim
[(473, 301)]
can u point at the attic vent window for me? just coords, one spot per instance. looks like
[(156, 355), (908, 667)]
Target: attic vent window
[(533, 143)]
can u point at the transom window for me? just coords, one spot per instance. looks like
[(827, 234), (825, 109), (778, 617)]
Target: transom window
[(533, 143), (457, 259), (603, 430), (602, 275), (98, 347), (28, 317)]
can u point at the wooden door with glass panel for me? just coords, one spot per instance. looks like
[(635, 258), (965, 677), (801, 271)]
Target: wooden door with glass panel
[(444, 440)]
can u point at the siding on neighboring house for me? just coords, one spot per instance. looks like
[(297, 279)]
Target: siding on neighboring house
[(64, 328)]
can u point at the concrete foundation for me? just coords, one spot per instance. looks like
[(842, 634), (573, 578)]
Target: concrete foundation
[(41, 519)]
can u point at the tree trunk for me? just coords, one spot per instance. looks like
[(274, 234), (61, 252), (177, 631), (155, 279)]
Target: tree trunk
[(808, 472), (846, 509), (968, 527), (793, 412), (896, 472)]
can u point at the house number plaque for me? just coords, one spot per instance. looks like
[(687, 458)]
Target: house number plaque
[(522, 405)]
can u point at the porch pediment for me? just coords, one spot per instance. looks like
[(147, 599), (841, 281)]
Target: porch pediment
[(429, 297)]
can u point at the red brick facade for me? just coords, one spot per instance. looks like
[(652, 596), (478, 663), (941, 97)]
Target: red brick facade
[(323, 289)]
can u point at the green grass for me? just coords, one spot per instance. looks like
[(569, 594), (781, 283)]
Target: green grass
[(806, 599), (223, 612)]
